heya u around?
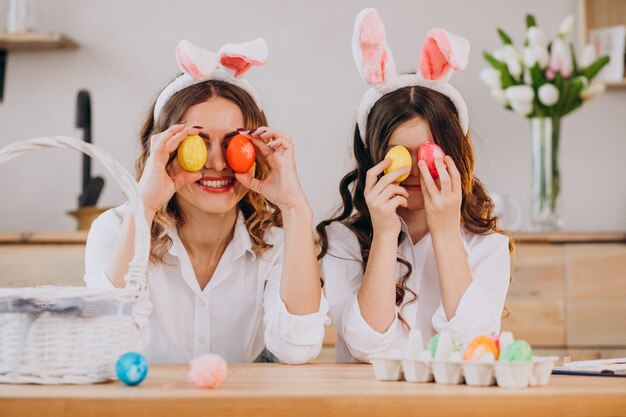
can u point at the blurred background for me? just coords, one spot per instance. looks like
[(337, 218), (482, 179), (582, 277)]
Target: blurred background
[(310, 89)]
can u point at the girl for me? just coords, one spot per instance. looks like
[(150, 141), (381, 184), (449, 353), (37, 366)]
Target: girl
[(233, 266), (425, 254)]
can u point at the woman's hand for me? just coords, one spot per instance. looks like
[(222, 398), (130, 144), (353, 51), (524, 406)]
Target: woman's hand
[(383, 196), (281, 186), (442, 200), (156, 186)]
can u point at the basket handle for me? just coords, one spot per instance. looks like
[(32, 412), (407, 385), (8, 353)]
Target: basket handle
[(137, 276)]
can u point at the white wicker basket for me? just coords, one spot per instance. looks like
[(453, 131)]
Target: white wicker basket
[(74, 335)]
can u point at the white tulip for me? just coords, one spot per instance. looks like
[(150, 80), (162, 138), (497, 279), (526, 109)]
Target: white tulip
[(527, 78), (548, 94), (520, 93), (566, 26), (594, 89), (511, 58), (536, 37), (542, 56), (491, 77), (529, 56), (522, 108), (499, 95), (587, 56)]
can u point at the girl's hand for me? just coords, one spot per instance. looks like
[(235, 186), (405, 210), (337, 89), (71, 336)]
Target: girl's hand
[(383, 197), (442, 201), (156, 186), (281, 187)]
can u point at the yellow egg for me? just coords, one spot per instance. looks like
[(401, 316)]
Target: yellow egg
[(400, 157), (192, 153)]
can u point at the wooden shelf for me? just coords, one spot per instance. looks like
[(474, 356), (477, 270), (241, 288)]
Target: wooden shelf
[(569, 237), (32, 41), (602, 13)]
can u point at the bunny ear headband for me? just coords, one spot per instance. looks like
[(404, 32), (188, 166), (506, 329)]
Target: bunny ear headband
[(441, 53), (229, 64)]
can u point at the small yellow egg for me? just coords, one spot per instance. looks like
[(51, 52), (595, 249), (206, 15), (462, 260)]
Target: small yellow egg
[(400, 156), (192, 153)]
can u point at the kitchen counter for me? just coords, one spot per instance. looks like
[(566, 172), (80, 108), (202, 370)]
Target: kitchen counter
[(313, 390)]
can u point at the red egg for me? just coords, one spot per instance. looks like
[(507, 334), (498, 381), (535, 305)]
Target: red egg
[(427, 152), (240, 154)]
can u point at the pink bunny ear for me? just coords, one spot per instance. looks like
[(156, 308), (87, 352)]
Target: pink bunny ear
[(369, 47), (195, 61), (441, 53), (240, 57)]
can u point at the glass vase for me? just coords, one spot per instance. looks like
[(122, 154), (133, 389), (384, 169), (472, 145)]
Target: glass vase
[(546, 181)]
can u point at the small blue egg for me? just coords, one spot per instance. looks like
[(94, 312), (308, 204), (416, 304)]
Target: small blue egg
[(131, 368)]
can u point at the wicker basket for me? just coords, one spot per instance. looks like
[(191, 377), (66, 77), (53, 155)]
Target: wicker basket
[(74, 335)]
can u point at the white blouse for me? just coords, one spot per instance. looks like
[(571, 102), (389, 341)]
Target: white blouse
[(236, 315), (478, 312)]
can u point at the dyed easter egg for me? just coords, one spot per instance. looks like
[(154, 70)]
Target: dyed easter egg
[(518, 351), (442, 345), (240, 154), (427, 152), (131, 368), (479, 347), (208, 370), (400, 157), (192, 153)]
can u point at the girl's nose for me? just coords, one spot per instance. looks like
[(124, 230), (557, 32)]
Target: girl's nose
[(216, 158)]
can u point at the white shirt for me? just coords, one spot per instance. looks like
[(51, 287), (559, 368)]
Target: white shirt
[(236, 315), (478, 312)]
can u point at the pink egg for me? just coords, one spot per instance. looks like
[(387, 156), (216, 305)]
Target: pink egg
[(208, 371)]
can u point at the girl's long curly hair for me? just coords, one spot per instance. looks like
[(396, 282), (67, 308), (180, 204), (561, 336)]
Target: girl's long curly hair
[(258, 212), (388, 113)]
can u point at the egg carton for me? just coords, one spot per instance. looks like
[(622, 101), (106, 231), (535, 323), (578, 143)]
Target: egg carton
[(476, 373)]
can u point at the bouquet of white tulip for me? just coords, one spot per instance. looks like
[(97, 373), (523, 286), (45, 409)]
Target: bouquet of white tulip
[(543, 79)]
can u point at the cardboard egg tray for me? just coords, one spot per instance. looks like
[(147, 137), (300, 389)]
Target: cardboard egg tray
[(476, 373)]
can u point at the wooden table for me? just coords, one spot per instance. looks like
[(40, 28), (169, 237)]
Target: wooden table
[(313, 390)]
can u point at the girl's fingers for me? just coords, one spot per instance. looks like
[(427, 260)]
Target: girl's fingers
[(173, 143), (444, 177), (248, 181), (398, 201), (390, 178), (261, 146), (372, 174), (427, 180), (185, 178), (158, 141), (455, 175), (393, 190)]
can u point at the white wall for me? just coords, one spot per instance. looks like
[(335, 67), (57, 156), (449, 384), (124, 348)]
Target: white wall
[(310, 89)]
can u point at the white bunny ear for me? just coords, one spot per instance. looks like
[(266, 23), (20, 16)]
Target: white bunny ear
[(240, 57), (197, 62), (369, 46), (442, 53)]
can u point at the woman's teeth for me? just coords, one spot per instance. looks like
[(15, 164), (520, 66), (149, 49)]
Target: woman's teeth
[(216, 184)]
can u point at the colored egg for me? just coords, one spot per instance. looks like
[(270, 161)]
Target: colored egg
[(131, 368), (400, 157), (240, 154), (427, 152), (444, 351), (518, 351), (208, 370), (192, 153), (479, 347)]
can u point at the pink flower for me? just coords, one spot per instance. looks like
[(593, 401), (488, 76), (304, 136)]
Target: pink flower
[(560, 60)]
